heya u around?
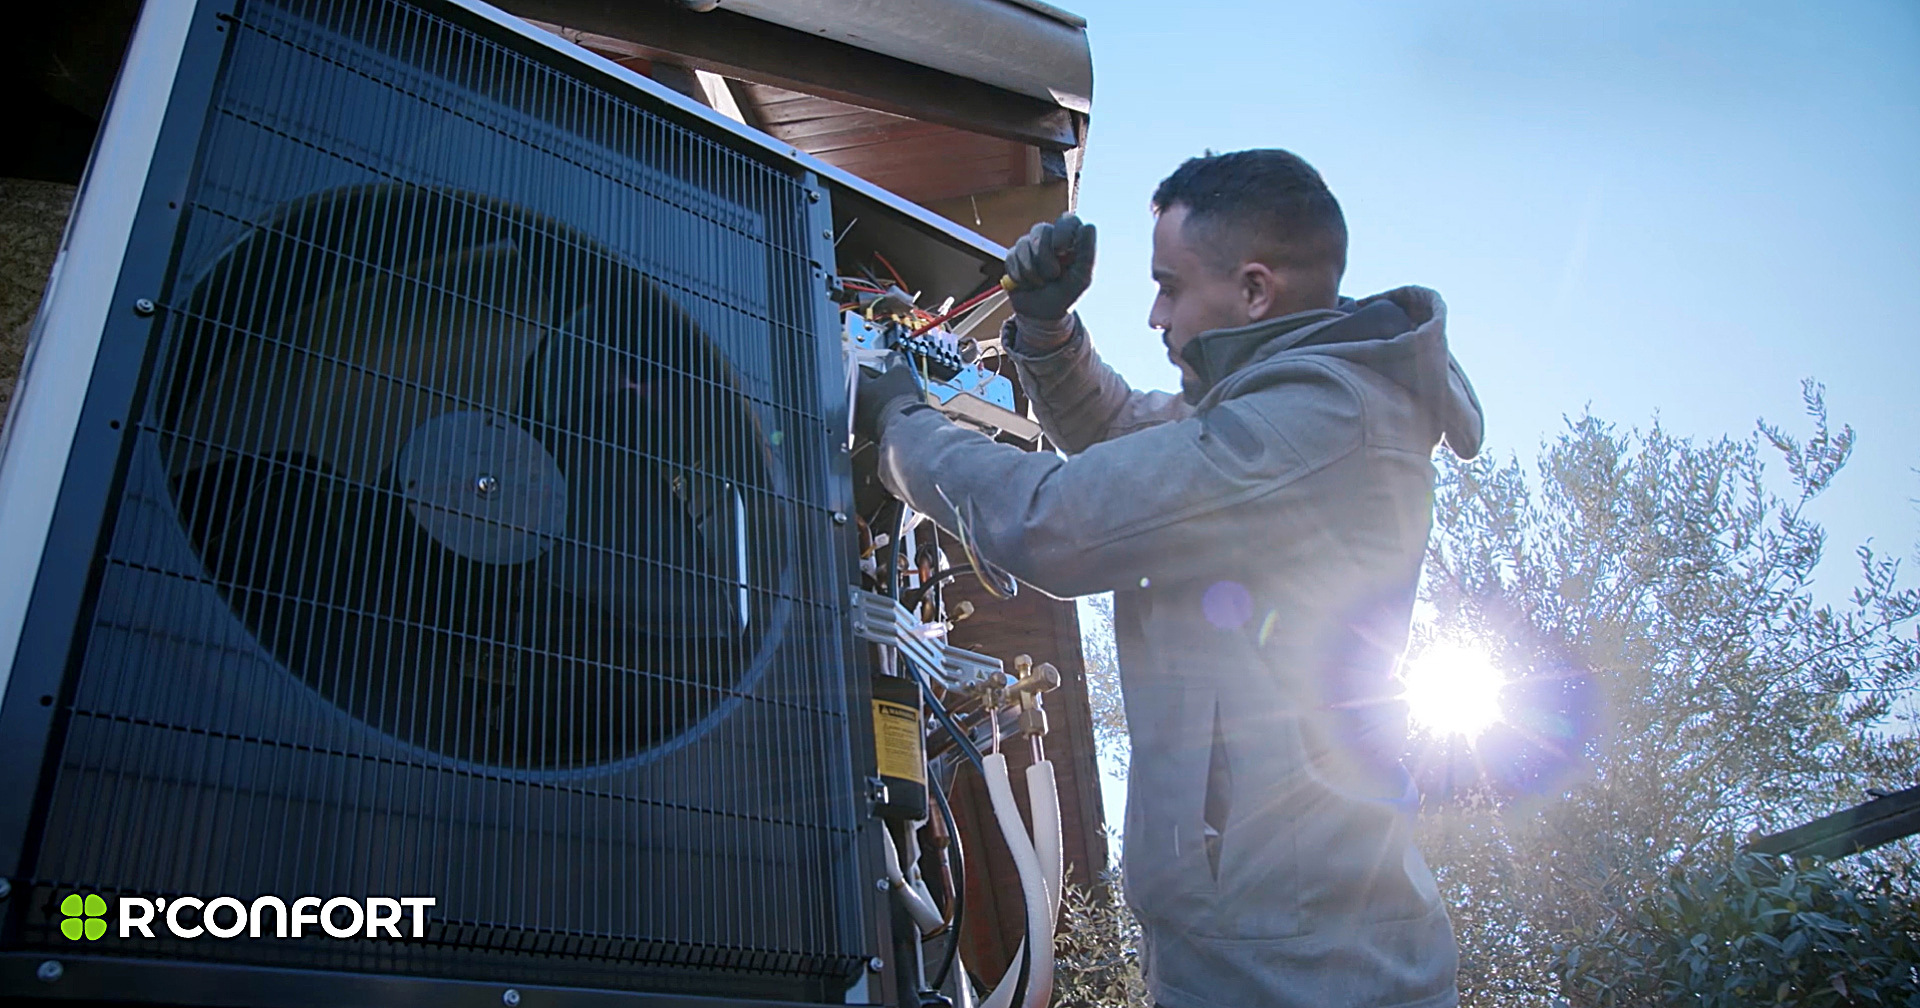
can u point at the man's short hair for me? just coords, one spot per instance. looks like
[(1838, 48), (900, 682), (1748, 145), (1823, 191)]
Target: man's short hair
[(1266, 206)]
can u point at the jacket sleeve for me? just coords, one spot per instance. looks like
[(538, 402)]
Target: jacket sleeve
[(1168, 502), (1081, 401)]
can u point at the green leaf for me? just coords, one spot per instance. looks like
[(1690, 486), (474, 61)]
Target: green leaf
[(96, 927), (96, 906), (73, 906), (71, 928)]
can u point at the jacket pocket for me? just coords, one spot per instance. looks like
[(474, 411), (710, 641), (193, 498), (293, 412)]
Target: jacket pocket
[(1304, 850), (1259, 846), (1168, 877)]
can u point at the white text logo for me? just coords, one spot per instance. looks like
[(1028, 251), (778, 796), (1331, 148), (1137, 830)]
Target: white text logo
[(270, 916)]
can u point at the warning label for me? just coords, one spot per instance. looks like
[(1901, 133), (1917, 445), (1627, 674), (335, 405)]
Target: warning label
[(896, 739)]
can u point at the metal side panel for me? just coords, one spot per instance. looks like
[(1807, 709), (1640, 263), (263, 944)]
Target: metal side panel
[(79, 296), (59, 465)]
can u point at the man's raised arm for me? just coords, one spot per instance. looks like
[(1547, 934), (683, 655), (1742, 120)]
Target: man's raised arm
[(1079, 400)]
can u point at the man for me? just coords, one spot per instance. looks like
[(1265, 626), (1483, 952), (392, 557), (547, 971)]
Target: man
[(1262, 534)]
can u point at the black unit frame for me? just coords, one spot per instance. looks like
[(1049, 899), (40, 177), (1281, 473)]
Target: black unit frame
[(44, 660), (34, 713)]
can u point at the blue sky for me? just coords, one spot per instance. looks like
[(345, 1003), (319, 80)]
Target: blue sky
[(1672, 208)]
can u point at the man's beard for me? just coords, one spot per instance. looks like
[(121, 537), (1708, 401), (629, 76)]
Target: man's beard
[(1192, 389)]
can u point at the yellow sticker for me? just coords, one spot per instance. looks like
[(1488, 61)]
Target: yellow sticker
[(897, 742)]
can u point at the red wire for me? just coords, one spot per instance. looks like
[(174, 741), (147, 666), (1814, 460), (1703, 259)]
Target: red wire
[(962, 306), (890, 269)]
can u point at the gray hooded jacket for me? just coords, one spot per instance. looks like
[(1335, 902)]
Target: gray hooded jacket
[(1263, 547)]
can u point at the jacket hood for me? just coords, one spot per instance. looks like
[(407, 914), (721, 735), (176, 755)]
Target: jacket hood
[(1400, 334)]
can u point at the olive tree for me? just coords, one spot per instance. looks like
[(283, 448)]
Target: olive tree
[(1672, 582)]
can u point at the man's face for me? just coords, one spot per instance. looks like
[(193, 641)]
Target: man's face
[(1196, 294)]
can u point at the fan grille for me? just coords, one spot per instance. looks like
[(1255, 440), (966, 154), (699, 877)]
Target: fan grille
[(474, 540), (566, 495)]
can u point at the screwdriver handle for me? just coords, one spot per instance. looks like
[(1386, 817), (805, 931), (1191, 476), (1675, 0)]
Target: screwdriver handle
[(1065, 259)]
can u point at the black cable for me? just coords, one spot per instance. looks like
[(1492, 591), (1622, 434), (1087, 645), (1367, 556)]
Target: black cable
[(1026, 969), (972, 753), (957, 855), (945, 717), (914, 595)]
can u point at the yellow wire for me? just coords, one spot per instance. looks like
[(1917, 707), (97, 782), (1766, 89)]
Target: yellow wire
[(981, 568)]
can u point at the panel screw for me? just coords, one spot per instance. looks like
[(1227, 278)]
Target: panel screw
[(827, 233), (876, 964), (813, 195), (510, 997), (143, 307), (50, 970), (882, 885), (6, 888), (839, 517), (485, 485)]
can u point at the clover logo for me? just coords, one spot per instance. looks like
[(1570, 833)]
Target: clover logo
[(84, 916)]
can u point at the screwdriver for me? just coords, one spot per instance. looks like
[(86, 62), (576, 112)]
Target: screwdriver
[(1006, 285), (1064, 257)]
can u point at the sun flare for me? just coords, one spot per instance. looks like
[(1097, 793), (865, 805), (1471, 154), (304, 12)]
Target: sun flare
[(1452, 690)]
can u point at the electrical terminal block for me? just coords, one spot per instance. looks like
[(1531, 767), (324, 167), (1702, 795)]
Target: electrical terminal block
[(955, 382)]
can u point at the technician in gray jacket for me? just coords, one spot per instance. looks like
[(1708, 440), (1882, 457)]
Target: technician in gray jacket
[(1262, 534)]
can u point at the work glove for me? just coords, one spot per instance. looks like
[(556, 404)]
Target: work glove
[(876, 392), (1050, 267)]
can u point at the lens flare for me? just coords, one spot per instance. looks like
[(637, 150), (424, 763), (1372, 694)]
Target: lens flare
[(1452, 690)]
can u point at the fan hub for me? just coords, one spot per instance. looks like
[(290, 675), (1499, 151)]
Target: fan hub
[(483, 487)]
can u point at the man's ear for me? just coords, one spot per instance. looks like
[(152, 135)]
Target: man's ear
[(1259, 289)]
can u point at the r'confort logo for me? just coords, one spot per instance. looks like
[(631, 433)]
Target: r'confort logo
[(84, 916)]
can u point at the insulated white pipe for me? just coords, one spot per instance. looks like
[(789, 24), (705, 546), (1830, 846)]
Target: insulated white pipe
[(910, 865), (925, 915), (1033, 887), (959, 987), (1043, 798)]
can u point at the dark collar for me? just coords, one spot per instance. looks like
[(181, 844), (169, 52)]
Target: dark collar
[(1216, 354)]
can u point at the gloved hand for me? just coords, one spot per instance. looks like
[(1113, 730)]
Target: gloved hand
[(1050, 267), (876, 391)]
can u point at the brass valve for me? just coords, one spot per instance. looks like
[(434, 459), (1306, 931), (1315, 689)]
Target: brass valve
[(1029, 678), (1032, 681)]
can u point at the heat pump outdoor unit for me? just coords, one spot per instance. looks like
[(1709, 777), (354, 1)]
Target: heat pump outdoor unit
[(430, 480)]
